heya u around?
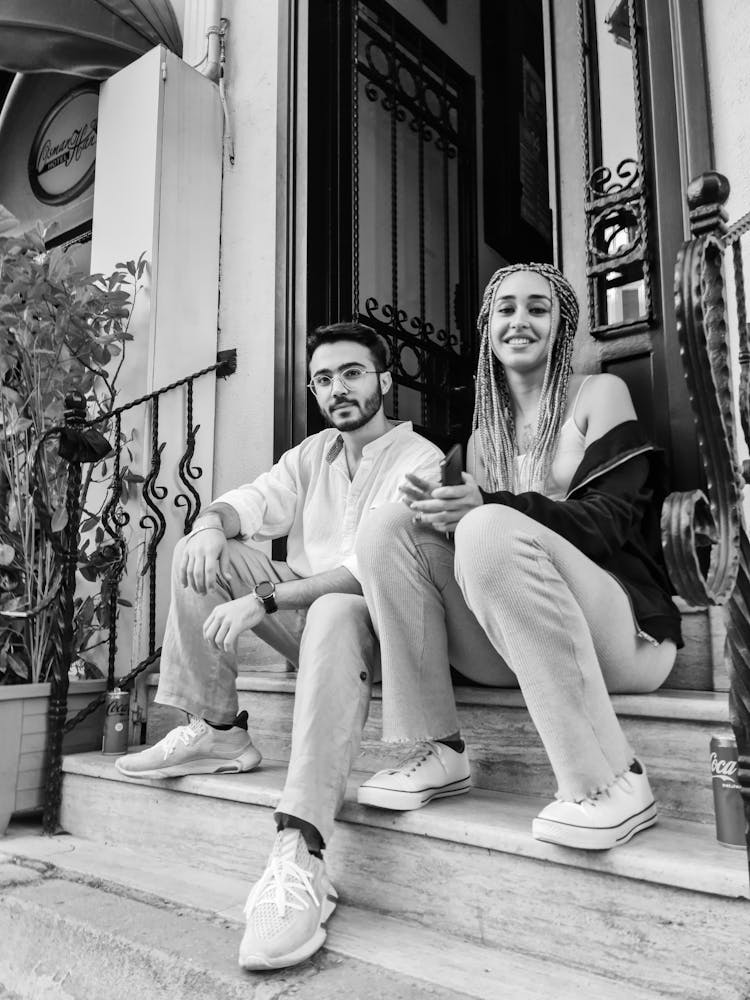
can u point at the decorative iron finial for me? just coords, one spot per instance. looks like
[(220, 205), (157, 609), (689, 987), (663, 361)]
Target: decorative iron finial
[(706, 196), (75, 407)]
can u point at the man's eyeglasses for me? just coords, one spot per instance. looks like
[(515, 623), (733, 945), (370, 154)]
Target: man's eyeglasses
[(321, 385)]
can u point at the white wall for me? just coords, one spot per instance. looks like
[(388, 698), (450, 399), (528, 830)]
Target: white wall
[(727, 29), (247, 306)]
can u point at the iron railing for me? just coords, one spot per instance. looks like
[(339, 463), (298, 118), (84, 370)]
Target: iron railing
[(705, 539), (82, 442)]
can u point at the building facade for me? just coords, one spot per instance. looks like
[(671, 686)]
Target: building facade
[(286, 163)]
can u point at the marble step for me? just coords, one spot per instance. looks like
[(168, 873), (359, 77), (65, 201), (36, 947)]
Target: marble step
[(670, 730), (654, 913), (372, 954)]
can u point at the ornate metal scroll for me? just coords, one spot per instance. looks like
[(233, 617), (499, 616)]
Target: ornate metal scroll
[(693, 523), (424, 102), (190, 500), (616, 199)]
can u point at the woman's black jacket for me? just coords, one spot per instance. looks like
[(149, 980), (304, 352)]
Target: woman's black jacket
[(612, 514)]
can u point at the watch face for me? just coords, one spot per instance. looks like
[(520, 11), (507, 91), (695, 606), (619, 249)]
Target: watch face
[(265, 589)]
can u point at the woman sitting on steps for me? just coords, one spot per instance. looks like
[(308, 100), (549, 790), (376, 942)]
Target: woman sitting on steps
[(555, 582)]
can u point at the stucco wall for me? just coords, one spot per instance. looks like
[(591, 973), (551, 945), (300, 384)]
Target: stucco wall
[(247, 306), (727, 32)]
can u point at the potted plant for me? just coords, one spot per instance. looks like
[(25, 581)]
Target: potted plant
[(60, 330)]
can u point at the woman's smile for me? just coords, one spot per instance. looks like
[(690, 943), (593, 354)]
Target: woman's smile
[(519, 340)]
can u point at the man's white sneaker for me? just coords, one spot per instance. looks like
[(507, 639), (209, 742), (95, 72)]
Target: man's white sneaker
[(194, 749), (287, 908), (607, 820), (431, 771)]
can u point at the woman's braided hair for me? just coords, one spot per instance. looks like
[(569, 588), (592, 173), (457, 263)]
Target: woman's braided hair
[(493, 411)]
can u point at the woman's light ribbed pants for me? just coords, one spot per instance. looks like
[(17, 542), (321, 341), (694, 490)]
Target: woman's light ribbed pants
[(513, 604)]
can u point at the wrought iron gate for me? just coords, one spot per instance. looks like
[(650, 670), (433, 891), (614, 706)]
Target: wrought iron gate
[(402, 164)]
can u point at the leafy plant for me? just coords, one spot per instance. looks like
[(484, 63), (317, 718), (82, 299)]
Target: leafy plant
[(60, 331)]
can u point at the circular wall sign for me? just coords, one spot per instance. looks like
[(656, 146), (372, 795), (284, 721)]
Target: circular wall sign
[(61, 160)]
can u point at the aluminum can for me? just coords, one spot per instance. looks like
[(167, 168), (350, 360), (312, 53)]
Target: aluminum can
[(116, 721), (728, 807)]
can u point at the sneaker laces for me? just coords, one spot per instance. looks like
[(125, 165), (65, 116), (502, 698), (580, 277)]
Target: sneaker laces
[(184, 734), (414, 759), (621, 781), (284, 884)]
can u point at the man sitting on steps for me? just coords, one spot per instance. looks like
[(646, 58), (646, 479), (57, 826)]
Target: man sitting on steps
[(221, 587)]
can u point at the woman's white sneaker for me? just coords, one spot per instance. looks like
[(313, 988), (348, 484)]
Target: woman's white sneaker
[(607, 820), (431, 771), (288, 907), (194, 749)]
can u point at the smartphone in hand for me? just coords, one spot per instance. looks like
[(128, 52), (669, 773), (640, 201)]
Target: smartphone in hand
[(452, 466)]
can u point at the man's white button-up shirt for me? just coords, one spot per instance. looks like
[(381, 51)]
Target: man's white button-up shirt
[(309, 496)]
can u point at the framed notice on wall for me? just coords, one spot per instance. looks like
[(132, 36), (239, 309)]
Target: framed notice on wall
[(517, 215)]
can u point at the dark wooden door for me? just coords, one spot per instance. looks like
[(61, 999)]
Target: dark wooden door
[(633, 142)]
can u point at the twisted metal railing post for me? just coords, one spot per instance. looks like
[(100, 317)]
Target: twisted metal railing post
[(737, 614), (737, 618), (706, 546), (75, 416)]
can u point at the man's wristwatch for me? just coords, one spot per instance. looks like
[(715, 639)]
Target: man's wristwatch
[(265, 592)]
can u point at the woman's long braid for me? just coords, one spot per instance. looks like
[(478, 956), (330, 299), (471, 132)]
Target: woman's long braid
[(493, 410)]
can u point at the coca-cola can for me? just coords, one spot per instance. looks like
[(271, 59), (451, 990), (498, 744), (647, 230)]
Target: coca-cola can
[(728, 807), (116, 721)]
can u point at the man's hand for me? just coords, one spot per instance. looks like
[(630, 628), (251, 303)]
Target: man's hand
[(446, 505), (205, 554), (228, 621)]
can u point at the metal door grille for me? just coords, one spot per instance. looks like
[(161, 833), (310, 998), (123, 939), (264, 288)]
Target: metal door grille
[(413, 215)]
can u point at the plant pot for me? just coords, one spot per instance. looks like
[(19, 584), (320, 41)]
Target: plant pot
[(23, 740)]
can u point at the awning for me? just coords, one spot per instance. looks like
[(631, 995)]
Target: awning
[(90, 38)]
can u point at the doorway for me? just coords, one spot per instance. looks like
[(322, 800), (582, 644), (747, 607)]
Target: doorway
[(427, 141)]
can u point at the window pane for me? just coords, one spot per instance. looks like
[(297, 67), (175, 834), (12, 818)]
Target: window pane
[(616, 98)]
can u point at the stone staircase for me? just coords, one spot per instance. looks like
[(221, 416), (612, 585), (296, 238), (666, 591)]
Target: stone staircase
[(653, 916), (454, 900)]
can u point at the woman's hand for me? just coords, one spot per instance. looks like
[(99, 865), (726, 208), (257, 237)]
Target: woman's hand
[(205, 555), (413, 488), (444, 506), (228, 621)]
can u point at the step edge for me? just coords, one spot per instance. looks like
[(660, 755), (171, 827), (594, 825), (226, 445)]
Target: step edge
[(372, 940), (717, 870), (667, 703)]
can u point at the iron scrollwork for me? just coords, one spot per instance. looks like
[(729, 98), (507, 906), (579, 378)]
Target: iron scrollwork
[(616, 201), (424, 107), (114, 519), (692, 521), (190, 500)]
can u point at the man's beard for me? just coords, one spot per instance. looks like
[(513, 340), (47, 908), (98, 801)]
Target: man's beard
[(367, 411)]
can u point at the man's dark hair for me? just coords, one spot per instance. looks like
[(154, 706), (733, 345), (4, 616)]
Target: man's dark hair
[(357, 333)]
